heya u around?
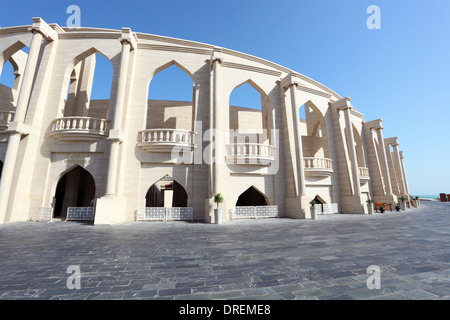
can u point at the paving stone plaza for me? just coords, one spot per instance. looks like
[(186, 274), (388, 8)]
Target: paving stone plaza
[(272, 259)]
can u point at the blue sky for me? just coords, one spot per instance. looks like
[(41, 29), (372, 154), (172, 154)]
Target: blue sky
[(400, 73)]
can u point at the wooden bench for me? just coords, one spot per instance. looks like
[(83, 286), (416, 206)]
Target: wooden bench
[(385, 205)]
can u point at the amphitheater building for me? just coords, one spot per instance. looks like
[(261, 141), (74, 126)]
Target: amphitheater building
[(129, 158)]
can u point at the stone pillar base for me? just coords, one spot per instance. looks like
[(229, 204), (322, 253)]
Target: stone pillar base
[(110, 210), (353, 205), (298, 208)]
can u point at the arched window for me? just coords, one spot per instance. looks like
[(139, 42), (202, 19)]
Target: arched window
[(314, 132), (246, 96), (89, 90), (171, 97), (249, 114)]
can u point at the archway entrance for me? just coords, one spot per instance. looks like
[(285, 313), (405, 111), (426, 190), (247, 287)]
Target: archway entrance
[(166, 193), (252, 197), (165, 200), (75, 189), (253, 204)]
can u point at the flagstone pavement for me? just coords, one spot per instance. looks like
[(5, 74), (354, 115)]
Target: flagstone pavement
[(327, 258)]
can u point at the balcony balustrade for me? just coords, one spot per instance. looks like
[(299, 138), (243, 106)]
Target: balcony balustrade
[(321, 167), (251, 153), (79, 129), (363, 174), (165, 140)]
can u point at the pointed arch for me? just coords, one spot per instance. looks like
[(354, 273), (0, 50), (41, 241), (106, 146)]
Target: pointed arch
[(252, 197), (314, 131), (89, 76), (170, 64), (166, 192), (319, 199), (171, 98), (12, 65), (76, 188), (250, 82), (247, 117), (11, 50)]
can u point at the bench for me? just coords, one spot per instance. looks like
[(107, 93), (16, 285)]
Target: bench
[(385, 205)]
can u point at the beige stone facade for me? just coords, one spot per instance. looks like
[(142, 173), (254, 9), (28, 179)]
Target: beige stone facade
[(59, 148)]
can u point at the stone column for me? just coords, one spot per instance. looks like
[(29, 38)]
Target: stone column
[(400, 171), (110, 208), (404, 173), (115, 136), (217, 122), (17, 128), (301, 181), (387, 178), (353, 158)]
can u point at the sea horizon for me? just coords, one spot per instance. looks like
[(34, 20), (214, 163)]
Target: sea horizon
[(428, 196)]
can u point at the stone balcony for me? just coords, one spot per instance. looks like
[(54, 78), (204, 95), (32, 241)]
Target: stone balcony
[(251, 153), (166, 140), (363, 174), (79, 129), (320, 167), (5, 118)]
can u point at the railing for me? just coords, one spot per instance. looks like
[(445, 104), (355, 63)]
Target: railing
[(164, 140), (331, 208), (255, 212), (79, 128), (80, 214), (44, 215), (165, 214), (5, 118), (318, 166), (251, 153)]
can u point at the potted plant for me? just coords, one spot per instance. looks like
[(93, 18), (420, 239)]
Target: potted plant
[(402, 203), (381, 208), (370, 206), (313, 209), (397, 207), (218, 198)]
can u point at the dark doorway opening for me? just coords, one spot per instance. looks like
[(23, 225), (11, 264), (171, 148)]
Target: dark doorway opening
[(162, 191), (252, 197), (75, 189)]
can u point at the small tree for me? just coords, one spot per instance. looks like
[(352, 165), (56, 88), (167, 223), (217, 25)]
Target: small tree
[(218, 198), (312, 203)]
